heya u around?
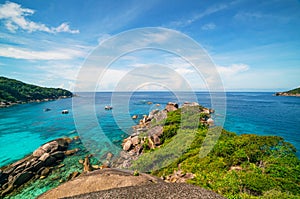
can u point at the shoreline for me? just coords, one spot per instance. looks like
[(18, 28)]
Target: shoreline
[(10, 104), (287, 94)]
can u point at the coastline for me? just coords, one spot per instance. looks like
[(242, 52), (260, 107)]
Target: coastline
[(287, 94), (9, 104), (17, 92)]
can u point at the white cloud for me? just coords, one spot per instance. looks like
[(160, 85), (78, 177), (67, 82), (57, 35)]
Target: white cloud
[(253, 16), (184, 71), (109, 83), (248, 15), (207, 12), (15, 17), (229, 71), (64, 27), (55, 70), (58, 54), (208, 26)]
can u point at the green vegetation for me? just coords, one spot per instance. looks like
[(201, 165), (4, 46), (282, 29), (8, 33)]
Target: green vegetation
[(136, 173), (239, 166), (14, 91), (294, 91)]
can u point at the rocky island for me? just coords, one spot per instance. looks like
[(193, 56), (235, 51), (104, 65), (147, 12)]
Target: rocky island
[(294, 92), (16, 92)]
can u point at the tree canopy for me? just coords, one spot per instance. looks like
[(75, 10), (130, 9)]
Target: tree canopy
[(14, 91)]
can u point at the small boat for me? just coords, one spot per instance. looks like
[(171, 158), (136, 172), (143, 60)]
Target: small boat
[(64, 111), (47, 109), (108, 107)]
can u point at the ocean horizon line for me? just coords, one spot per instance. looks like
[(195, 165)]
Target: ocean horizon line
[(165, 91)]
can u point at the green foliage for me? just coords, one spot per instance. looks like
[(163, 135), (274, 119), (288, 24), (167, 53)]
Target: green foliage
[(173, 117), (146, 145), (294, 91), (14, 91), (275, 194), (136, 173), (169, 132), (267, 165)]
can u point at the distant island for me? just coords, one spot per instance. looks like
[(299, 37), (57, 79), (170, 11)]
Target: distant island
[(16, 92), (294, 92)]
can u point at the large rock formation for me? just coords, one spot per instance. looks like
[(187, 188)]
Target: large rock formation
[(36, 165), (114, 183), (171, 107)]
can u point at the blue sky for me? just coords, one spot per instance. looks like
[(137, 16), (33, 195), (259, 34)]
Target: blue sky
[(255, 45)]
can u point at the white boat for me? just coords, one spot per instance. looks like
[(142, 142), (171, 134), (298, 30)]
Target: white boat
[(108, 107), (64, 111)]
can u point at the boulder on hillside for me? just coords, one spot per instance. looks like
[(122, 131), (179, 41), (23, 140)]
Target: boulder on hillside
[(127, 145), (135, 140), (171, 106)]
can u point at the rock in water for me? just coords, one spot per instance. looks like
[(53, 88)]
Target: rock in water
[(71, 152), (36, 164), (50, 146), (109, 156), (86, 164)]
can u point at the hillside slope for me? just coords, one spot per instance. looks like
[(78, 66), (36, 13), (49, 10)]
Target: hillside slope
[(238, 166), (15, 92), (293, 92)]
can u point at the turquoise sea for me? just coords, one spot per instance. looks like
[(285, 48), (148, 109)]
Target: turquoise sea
[(23, 128)]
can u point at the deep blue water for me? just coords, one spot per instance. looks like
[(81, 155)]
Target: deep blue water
[(23, 128)]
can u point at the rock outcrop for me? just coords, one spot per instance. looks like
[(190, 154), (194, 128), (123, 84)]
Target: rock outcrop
[(115, 183), (178, 177), (36, 165), (148, 133), (171, 107)]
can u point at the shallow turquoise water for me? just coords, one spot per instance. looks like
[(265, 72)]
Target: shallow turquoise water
[(23, 128)]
